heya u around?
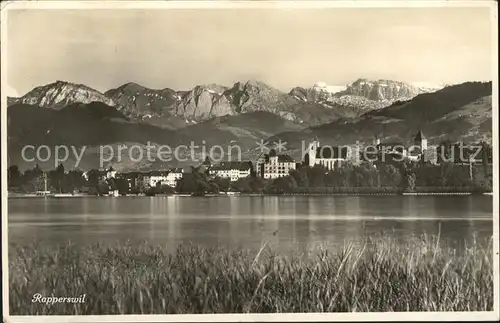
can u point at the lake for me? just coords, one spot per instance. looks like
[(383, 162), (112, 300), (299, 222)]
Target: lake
[(287, 223)]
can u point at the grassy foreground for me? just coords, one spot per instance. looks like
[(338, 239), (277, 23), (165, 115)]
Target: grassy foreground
[(381, 276)]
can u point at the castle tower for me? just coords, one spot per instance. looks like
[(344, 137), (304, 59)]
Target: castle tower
[(311, 152), (421, 141)]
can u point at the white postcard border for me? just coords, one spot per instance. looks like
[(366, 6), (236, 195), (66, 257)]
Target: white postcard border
[(298, 317)]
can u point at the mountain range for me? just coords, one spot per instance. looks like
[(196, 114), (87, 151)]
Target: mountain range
[(244, 113), (175, 109)]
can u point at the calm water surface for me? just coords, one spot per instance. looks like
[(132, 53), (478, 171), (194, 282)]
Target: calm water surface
[(287, 223)]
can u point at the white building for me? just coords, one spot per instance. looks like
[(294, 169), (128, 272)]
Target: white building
[(258, 164), (277, 166), (174, 175), (329, 157), (110, 173), (233, 170), (154, 177)]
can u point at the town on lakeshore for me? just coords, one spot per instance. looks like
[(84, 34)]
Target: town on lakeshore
[(389, 167)]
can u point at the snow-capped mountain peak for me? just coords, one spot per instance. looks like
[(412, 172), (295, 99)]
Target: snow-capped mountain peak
[(324, 87), (384, 90), (428, 87)]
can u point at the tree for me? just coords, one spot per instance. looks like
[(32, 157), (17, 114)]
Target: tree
[(93, 177), (102, 188), (390, 175), (187, 184), (445, 152), (446, 170), (300, 176), (30, 174), (242, 185), (316, 176), (159, 189), (75, 180), (365, 176), (222, 183), (358, 178), (286, 184), (195, 182), (213, 188), (13, 176), (33, 180), (257, 184), (410, 182), (58, 180)]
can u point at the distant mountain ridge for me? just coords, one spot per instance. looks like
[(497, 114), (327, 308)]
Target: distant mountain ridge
[(363, 94), (139, 101), (176, 109), (383, 90)]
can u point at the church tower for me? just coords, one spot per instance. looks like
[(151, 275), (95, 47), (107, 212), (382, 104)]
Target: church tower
[(421, 141)]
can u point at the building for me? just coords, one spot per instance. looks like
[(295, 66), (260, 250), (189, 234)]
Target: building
[(383, 152), (419, 148), (393, 149), (420, 141), (234, 170), (258, 164), (133, 179), (329, 157), (277, 165), (398, 151), (113, 187), (155, 177), (420, 151), (110, 173), (174, 175), (95, 176)]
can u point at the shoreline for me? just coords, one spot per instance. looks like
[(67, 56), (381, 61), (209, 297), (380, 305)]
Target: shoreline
[(33, 196)]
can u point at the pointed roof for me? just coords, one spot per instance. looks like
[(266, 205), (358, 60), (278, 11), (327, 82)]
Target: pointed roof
[(285, 159), (419, 136), (207, 161)]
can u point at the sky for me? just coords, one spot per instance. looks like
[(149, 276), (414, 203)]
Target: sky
[(180, 48)]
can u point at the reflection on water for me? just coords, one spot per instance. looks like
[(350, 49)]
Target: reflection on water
[(287, 223)]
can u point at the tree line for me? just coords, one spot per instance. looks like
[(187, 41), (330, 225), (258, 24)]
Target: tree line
[(374, 177), (61, 181)]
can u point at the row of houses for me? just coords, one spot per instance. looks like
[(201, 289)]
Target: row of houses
[(273, 165), (233, 170), (138, 179)]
